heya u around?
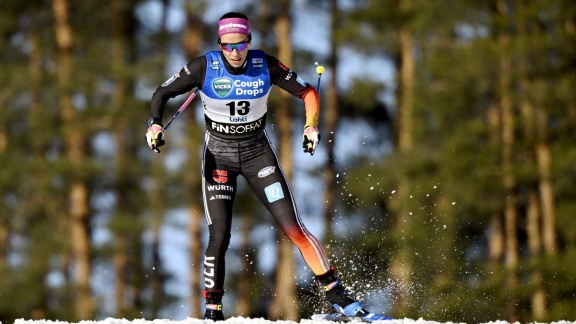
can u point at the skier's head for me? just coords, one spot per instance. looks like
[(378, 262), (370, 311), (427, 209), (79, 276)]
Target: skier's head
[(234, 37), (234, 22)]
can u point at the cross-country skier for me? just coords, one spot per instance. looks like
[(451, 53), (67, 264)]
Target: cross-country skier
[(234, 84)]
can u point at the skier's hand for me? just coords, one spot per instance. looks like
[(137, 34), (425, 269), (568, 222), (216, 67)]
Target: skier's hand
[(154, 136), (311, 138)]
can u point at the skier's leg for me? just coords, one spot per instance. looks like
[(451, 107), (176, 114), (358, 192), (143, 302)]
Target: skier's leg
[(219, 188), (264, 174), (218, 200), (267, 179)]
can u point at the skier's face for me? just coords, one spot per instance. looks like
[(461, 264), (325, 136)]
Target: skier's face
[(235, 48)]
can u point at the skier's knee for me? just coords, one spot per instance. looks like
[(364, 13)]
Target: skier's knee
[(221, 242)]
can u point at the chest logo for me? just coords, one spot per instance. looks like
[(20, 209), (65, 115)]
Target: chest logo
[(222, 86)]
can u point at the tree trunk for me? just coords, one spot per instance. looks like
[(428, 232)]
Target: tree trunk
[(547, 198), (243, 285), (548, 232), (120, 261), (195, 253), (284, 303), (407, 71), (533, 230), (159, 208), (75, 152), (508, 178), (496, 235), (328, 129), (192, 41), (496, 239), (537, 209), (400, 265), (546, 187)]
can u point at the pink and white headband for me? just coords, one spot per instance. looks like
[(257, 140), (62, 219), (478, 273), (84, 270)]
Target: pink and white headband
[(233, 25)]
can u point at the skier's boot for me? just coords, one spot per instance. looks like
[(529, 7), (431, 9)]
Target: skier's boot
[(213, 305), (337, 295)]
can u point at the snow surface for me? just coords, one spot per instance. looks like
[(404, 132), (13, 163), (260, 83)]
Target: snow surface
[(242, 320)]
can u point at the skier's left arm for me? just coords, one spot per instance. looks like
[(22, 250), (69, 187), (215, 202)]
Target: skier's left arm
[(288, 80)]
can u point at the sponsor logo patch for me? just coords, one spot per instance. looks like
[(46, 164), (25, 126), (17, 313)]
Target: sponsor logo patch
[(284, 67), (220, 188), (239, 119), (209, 271), (222, 86), (274, 192), (220, 176), (238, 129), (172, 78), (266, 171), (227, 197), (249, 88)]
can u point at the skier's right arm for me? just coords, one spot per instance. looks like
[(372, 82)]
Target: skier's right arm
[(188, 78)]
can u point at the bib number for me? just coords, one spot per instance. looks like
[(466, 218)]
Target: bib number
[(240, 108)]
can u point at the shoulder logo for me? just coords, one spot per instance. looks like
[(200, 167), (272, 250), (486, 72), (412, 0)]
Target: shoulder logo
[(172, 78), (284, 67), (222, 86)]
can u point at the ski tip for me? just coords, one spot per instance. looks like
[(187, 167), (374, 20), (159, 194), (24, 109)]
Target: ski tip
[(371, 317)]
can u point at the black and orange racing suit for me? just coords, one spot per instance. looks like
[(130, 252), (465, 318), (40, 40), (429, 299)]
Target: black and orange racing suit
[(236, 143)]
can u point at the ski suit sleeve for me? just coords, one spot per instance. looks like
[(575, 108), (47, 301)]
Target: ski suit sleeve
[(288, 80), (189, 77)]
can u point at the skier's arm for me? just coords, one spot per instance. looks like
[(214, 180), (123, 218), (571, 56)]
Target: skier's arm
[(288, 80), (188, 78), (312, 107)]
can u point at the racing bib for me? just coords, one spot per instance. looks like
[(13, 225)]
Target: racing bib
[(235, 106)]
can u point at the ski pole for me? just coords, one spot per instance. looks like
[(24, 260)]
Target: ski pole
[(184, 105), (320, 71)]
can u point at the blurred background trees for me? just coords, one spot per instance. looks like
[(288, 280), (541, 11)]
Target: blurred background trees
[(443, 187)]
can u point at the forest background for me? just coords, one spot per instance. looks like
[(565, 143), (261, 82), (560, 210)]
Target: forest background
[(443, 186)]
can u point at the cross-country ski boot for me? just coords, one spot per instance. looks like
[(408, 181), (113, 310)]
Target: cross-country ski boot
[(337, 295), (345, 305), (213, 305)]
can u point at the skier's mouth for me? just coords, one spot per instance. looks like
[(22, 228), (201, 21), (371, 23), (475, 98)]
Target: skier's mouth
[(235, 61)]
